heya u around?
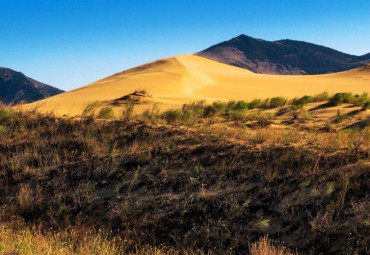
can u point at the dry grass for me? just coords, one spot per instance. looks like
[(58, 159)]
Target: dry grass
[(203, 188), (265, 247), (18, 238)]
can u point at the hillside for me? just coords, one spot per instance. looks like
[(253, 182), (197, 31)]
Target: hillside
[(282, 57), (174, 81), (16, 87), (204, 184)]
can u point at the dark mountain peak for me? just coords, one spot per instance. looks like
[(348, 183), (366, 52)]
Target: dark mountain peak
[(16, 87), (244, 37), (282, 56)]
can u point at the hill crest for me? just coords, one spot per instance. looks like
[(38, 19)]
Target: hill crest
[(282, 56)]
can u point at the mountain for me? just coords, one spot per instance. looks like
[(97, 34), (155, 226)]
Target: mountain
[(16, 87), (171, 82), (282, 57)]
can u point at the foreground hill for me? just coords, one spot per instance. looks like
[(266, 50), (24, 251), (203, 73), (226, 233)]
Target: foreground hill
[(209, 185), (16, 87), (174, 81), (282, 57)]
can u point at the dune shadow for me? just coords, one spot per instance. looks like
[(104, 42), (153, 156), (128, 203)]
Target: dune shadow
[(353, 113), (321, 106), (361, 124)]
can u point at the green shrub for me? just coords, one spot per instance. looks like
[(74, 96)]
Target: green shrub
[(259, 116), (301, 114), (265, 104), (219, 106), (106, 113), (278, 102), (366, 105), (193, 111), (90, 109), (237, 115), (324, 96), (240, 106), (255, 103), (7, 114), (229, 106), (173, 115), (359, 100), (2, 129), (209, 111), (341, 98), (152, 115), (302, 101), (128, 111)]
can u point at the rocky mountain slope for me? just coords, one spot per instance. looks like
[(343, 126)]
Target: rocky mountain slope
[(16, 87), (282, 57)]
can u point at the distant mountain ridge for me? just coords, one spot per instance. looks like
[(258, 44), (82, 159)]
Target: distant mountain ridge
[(16, 87), (282, 56)]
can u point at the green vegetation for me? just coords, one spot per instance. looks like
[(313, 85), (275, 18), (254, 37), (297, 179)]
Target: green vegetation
[(190, 113), (366, 105), (278, 102), (90, 109), (301, 114), (349, 98), (299, 102), (106, 113)]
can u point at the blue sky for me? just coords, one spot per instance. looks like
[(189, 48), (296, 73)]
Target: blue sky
[(69, 43)]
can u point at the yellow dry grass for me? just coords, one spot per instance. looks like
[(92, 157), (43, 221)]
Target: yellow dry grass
[(178, 80)]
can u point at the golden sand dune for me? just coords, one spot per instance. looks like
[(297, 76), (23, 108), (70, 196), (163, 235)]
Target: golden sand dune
[(177, 80)]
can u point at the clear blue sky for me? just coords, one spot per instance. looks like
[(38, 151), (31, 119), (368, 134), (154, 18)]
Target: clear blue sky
[(69, 43)]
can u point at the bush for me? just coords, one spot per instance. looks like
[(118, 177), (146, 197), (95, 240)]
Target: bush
[(366, 105), (193, 111), (229, 106), (324, 96), (341, 98), (209, 111), (90, 109), (128, 111), (255, 103), (219, 106), (359, 100), (2, 129), (237, 115), (265, 104), (240, 106), (173, 115), (302, 101), (6, 114), (278, 102), (106, 113), (301, 114)]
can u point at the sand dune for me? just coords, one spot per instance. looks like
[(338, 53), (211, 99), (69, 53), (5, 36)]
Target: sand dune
[(177, 80)]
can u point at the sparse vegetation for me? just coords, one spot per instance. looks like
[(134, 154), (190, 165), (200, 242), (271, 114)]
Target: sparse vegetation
[(278, 102), (301, 114), (349, 98), (265, 247), (90, 109), (366, 105), (106, 113), (147, 184), (299, 102)]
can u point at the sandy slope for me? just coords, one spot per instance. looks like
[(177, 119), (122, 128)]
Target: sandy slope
[(174, 81)]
